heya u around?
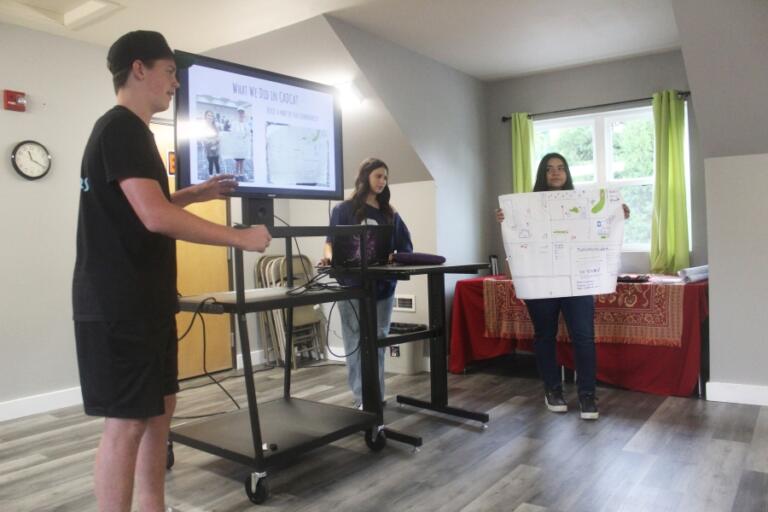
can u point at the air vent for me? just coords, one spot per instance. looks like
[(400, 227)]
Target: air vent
[(405, 303)]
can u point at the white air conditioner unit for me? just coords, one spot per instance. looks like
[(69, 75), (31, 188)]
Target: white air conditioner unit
[(405, 303)]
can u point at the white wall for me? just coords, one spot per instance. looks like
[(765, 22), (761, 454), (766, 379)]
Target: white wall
[(68, 87), (738, 278), (725, 46), (440, 110), (584, 86), (368, 129)]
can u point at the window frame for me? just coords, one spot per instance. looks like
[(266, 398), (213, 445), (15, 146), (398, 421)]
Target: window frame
[(602, 151)]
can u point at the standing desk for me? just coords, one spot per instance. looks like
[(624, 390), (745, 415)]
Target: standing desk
[(266, 435), (436, 332)]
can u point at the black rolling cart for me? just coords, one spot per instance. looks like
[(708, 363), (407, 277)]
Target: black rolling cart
[(267, 435), (436, 332)]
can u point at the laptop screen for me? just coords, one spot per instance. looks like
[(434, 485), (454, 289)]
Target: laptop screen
[(346, 248)]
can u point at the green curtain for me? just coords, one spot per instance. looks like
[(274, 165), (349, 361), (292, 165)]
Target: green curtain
[(522, 150), (669, 230)]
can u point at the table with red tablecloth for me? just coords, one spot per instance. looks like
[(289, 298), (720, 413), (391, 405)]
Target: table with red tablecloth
[(647, 335)]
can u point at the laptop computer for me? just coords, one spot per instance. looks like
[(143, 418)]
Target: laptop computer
[(346, 248)]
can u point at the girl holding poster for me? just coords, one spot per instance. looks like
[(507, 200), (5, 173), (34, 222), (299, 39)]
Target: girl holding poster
[(579, 313)]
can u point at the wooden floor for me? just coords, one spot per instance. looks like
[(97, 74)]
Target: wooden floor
[(646, 453)]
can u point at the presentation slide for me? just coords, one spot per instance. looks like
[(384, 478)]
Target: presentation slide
[(268, 134)]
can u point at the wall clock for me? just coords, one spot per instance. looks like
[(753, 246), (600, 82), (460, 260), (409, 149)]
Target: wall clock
[(31, 159)]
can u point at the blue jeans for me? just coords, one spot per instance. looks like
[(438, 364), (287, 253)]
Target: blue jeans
[(579, 313), (350, 333)]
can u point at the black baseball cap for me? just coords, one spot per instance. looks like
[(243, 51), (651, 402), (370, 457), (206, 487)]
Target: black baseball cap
[(144, 45)]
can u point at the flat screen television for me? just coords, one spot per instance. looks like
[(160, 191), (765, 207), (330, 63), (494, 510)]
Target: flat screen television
[(279, 135)]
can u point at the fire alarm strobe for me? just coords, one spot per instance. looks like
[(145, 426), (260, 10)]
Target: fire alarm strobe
[(14, 100)]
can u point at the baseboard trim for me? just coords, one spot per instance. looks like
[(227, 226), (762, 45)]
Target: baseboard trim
[(257, 357), (748, 394), (44, 402)]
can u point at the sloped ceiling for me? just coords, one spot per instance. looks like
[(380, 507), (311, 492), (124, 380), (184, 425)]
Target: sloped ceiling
[(487, 39)]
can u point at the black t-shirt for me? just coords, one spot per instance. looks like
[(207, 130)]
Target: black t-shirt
[(122, 270)]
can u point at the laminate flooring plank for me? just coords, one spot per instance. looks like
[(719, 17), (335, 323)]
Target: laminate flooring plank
[(752, 495), (13, 429), (527, 507), (715, 481), (8, 466), (669, 474), (679, 425), (612, 479), (647, 499), (596, 471), (738, 424), (52, 494), (511, 490), (757, 460)]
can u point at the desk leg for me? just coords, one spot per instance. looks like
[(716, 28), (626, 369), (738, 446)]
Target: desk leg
[(437, 352), (369, 366), (438, 358), (369, 361)]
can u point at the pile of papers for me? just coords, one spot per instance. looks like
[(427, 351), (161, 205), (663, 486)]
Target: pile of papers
[(693, 274)]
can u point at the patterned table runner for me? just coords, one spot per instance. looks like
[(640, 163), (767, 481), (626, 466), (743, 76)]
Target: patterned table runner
[(638, 313)]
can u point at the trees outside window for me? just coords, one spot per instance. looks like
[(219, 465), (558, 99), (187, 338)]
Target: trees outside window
[(608, 149)]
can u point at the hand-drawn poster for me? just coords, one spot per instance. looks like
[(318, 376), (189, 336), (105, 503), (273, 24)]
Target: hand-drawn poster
[(563, 243)]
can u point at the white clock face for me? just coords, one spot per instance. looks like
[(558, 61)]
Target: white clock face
[(31, 160)]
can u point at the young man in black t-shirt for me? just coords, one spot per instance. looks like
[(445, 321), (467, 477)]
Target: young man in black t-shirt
[(124, 286)]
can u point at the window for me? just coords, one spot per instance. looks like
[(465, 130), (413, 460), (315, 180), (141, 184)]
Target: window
[(608, 149)]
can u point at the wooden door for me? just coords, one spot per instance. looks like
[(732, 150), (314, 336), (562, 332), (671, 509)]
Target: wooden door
[(201, 269)]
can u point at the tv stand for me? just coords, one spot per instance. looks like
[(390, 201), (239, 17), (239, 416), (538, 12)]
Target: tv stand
[(258, 210)]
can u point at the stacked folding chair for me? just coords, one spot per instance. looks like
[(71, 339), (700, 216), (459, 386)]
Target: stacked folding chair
[(308, 330)]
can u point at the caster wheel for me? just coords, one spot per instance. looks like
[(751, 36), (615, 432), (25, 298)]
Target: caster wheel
[(485, 426), (169, 458), (415, 450), (376, 444), (262, 490)]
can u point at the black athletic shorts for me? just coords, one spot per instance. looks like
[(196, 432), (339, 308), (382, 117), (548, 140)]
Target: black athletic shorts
[(127, 367)]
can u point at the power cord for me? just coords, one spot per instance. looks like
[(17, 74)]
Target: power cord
[(315, 284), (198, 314)]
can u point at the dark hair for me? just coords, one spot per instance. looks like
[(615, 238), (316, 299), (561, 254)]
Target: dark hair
[(541, 173), (363, 188), (121, 77)]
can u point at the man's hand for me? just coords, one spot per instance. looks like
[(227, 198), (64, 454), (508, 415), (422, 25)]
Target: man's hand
[(216, 188), (626, 210), (499, 215), (255, 238)]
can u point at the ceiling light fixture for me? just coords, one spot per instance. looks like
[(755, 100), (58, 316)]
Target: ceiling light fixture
[(349, 95)]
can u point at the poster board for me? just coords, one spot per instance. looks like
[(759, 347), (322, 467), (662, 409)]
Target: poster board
[(563, 243)]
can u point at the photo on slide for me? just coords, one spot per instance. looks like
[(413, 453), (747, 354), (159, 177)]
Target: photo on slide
[(224, 138), (297, 156)]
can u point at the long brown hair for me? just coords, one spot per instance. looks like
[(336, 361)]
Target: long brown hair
[(541, 175), (363, 188)]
